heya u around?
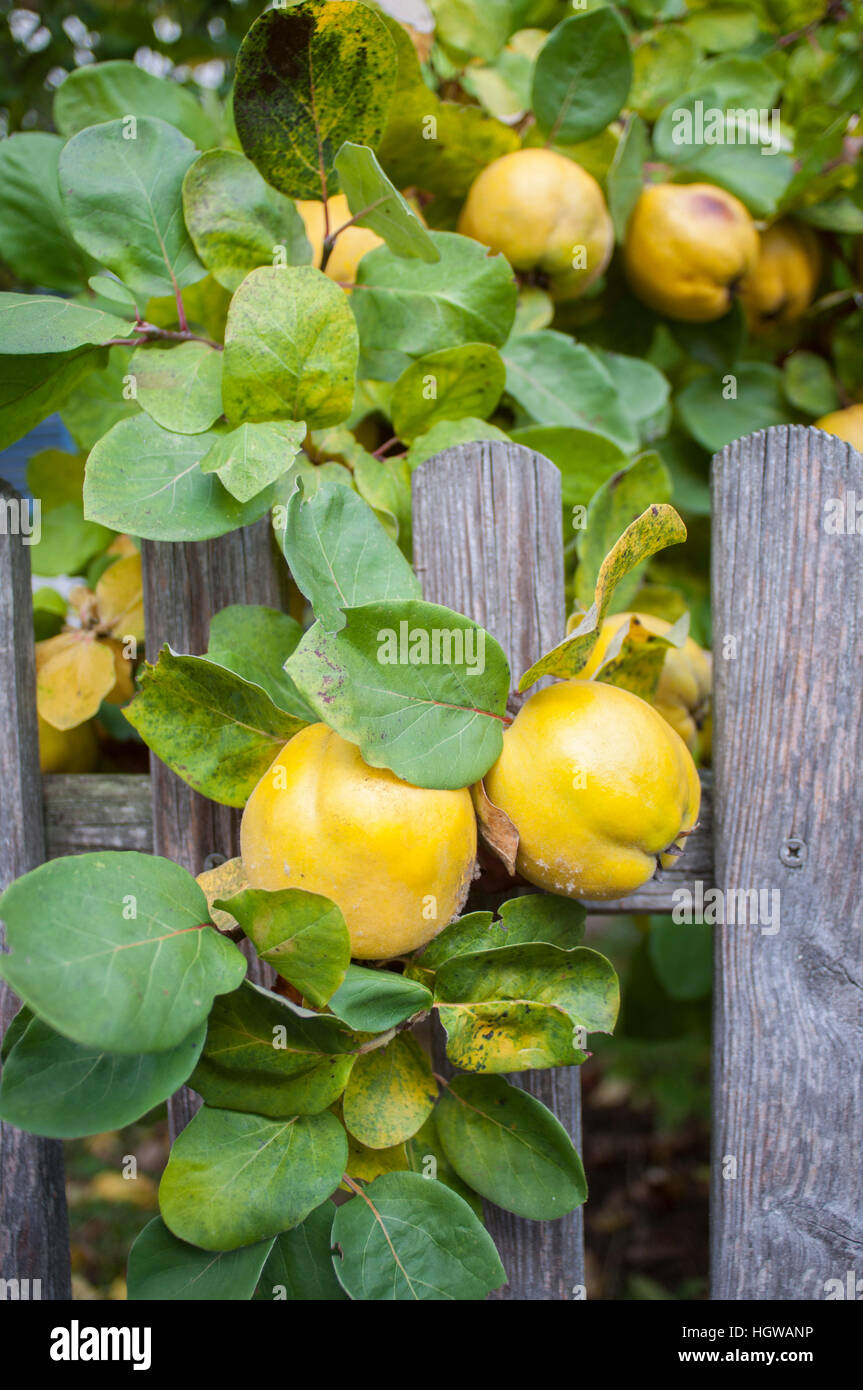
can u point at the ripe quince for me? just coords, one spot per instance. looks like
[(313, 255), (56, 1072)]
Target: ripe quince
[(683, 693), (350, 246), (67, 750), (397, 859), (688, 248), (782, 285), (846, 424), (599, 788), (546, 214)]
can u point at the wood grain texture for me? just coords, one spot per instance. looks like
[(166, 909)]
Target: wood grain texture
[(184, 585), (97, 811), (488, 543), (788, 1024), (34, 1230)]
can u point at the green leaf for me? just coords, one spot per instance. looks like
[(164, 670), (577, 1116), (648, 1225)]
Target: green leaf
[(290, 349), (619, 501), (439, 146), (626, 175), (719, 408), (64, 1090), (452, 384), (264, 1055), (144, 193), (93, 408), (303, 936), (470, 29), (809, 384), (468, 297), (536, 917), (148, 481), (517, 1008), (255, 643), (420, 689), (179, 385), (36, 242), (390, 1094), (300, 1266), (308, 79), (237, 221), (251, 457), (657, 527), (235, 1179), (582, 76), (67, 542), (37, 323), (16, 1030), (131, 931), (509, 1147), (643, 392), (723, 29), (682, 956), (586, 460), (448, 433), (559, 382), (163, 1268), (104, 286), (216, 730), (340, 556), (663, 64), (425, 1155), (110, 91), (375, 203), (409, 1238), (33, 387), (376, 1000), (634, 658)]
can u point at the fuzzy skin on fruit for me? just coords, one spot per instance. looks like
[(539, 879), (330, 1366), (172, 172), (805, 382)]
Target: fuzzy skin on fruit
[(537, 207), (687, 249), (350, 246), (782, 285), (322, 820), (67, 750), (683, 692), (598, 787), (846, 424)]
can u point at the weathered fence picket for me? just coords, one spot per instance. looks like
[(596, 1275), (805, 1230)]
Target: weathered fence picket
[(787, 1200)]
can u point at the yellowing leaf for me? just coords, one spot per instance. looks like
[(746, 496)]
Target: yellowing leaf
[(74, 673), (120, 596), (223, 882)]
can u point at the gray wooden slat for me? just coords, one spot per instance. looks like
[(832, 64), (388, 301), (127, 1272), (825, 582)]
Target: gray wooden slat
[(488, 543), (34, 1230), (95, 811), (184, 585), (788, 1034)]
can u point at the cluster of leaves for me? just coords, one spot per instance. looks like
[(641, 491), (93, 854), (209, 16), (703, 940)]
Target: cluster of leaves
[(226, 391), (300, 1101)]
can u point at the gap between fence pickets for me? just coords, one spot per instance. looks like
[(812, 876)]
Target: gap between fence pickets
[(86, 812)]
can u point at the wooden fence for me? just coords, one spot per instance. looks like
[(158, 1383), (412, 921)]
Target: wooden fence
[(785, 816)]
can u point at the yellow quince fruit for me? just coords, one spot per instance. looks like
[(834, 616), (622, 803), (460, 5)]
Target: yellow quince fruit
[(683, 693), (688, 247), (782, 285), (846, 424), (350, 245), (397, 859), (599, 788), (546, 214)]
